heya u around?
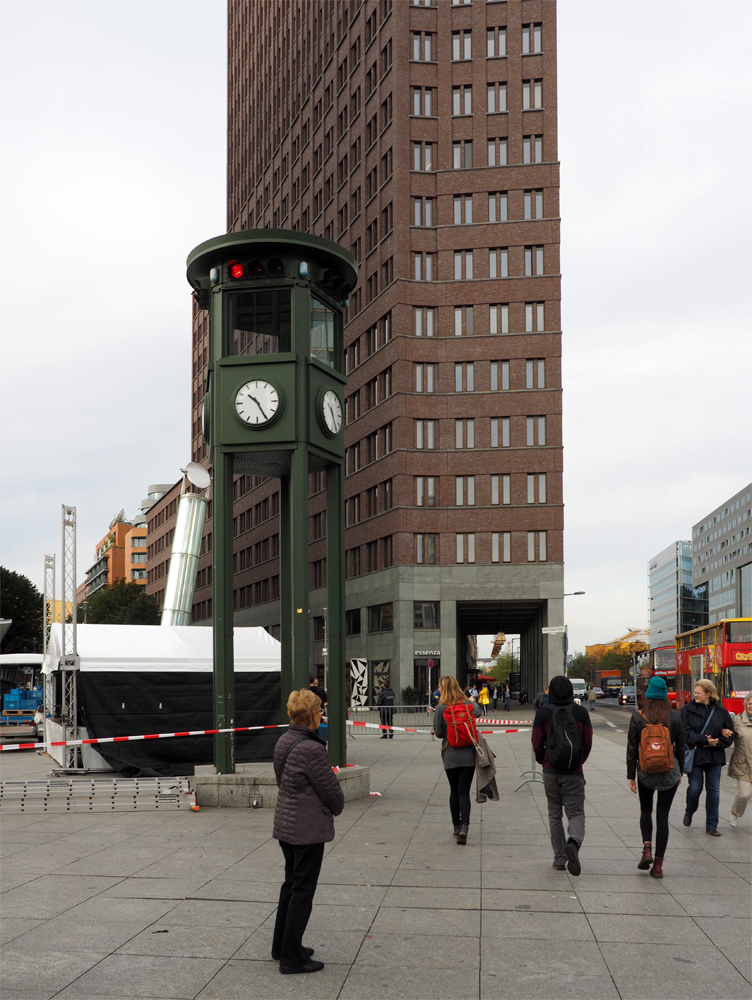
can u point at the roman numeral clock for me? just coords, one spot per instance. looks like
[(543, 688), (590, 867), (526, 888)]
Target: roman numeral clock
[(273, 406)]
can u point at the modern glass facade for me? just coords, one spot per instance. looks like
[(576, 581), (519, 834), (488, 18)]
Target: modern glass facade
[(674, 606)]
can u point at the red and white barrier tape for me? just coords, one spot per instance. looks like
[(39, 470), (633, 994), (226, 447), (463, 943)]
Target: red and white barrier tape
[(430, 732)]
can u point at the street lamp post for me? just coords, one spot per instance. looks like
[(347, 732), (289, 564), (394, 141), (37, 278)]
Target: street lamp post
[(565, 637)]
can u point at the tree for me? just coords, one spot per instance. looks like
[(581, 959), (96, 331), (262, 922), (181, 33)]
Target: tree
[(22, 603), (121, 604), (505, 665), (617, 659), (582, 667)]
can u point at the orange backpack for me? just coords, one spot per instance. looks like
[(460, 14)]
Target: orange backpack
[(656, 752)]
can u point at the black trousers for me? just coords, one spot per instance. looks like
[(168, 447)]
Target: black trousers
[(387, 719), (663, 805), (302, 867), (460, 779)]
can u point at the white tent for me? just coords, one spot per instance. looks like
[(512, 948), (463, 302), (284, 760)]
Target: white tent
[(163, 648)]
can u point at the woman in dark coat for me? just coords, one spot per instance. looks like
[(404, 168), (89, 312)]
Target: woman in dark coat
[(709, 748), (310, 797), (657, 711)]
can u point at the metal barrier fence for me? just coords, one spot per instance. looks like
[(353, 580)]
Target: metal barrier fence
[(412, 716)]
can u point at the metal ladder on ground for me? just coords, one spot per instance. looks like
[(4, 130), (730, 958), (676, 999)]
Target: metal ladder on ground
[(68, 795)]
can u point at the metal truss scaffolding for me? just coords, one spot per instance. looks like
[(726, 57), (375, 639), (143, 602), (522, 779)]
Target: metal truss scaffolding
[(69, 659), (49, 617)]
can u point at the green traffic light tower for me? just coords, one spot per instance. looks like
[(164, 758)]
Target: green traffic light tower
[(274, 406)]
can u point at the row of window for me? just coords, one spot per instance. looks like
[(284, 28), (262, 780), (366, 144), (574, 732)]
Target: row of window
[(500, 548), (369, 449), (425, 103), (425, 154), (426, 375), (425, 48), (371, 502), (427, 438), (425, 319), (426, 216), (498, 490)]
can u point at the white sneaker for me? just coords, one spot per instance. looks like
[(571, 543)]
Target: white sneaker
[(733, 819)]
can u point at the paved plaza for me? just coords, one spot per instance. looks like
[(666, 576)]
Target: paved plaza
[(181, 904)]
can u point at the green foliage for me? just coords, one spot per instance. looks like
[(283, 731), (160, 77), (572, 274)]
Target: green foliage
[(582, 667), (409, 696), (22, 602), (505, 665), (122, 604), (616, 660)]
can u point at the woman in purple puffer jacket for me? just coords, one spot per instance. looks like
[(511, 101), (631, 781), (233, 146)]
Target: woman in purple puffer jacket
[(310, 797)]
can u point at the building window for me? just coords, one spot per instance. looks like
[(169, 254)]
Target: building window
[(463, 209), (498, 263), (464, 375), (423, 264), (497, 206), (533, 202), (424, 378), (533, 261), (535, 373), (381, 618), (536, 427), (426, 614), (463, 265), (423, 156), (424, 321), (498, 319), (499, 432), (535, 317), (501, 490), (461, 45), (423, 102), (499, 375), (532, 38), (466, 548), (422, 46), (425, 549), (536, 479), (352, 622), (501, 546), (536, 540), (532, 95), (425, 491), (462, 155), (461, 484), (497, 98), (424, 434), (463, 321), (532, 149), (423, 211), (496, 42), (497, 152), (462, 100), (464, 433)]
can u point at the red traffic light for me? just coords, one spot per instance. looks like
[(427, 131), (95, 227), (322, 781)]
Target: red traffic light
[(235, 269)]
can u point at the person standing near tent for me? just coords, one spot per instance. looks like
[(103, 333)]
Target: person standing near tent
[(309, 798)]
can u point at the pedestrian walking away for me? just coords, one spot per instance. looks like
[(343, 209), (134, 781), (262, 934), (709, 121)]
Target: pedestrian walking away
[(541, 698), (708, 731), (562, 739), (740, 765), (385, 704), (483, 700), (309, 798), (454, 724), (591, 698), (655, 763)]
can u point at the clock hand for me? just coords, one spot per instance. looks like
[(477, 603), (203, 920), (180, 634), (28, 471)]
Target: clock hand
[(259, 406)]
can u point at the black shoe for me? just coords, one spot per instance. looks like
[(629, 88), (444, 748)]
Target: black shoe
[(573, 857), (560, 866), (462, 835), (687, 821), (306, 951), (310, 966), (384, 737), (713, 833)]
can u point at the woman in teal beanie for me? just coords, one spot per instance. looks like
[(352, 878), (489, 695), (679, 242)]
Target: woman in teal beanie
[(657, 712)]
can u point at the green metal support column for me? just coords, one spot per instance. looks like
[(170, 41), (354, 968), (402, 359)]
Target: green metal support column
[(298, 568), (224, 664), (285, 594), (335, 600)]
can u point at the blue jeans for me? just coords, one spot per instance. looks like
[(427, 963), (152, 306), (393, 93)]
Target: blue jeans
[(711, 773)]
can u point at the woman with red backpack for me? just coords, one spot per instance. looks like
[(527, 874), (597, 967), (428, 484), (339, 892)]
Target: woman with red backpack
[(454, 723), (655, 762)]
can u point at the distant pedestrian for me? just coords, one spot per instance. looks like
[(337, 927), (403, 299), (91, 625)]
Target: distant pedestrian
[(541, 698), (385, 704), (562, 738), (309, 798), (740, 765), (319, 692), (708, 731), (507, 697), (457, 750), (661, 727), (473, 693), (483, 700), (591, 696), (495, 696), (435, 698)]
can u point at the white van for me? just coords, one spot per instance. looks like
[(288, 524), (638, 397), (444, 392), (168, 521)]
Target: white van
[(579, 688)]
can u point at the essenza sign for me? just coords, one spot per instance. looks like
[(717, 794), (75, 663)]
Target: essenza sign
[(427, 652)]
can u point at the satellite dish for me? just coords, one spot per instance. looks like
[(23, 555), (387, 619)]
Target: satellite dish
[(197, 475)]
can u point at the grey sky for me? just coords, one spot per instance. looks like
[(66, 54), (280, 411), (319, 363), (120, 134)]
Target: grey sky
[(114, 126)]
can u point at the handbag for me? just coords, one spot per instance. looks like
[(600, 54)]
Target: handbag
[(689, 755)]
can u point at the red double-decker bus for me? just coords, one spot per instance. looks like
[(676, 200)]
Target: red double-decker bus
[(721, 653), (657, 662)]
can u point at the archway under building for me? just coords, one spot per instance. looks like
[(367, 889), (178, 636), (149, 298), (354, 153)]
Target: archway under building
[(541, 655)]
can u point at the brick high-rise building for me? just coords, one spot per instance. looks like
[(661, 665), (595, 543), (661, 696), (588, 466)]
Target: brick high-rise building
[(423, 138)]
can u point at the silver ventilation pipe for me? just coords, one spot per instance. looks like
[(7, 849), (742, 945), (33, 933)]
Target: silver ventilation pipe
[(186, 550)]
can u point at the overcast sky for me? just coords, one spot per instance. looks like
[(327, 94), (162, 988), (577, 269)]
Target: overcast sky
[(113, 119)]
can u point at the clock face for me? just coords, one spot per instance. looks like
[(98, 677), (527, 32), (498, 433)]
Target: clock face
[(331, 411), (257, 402)]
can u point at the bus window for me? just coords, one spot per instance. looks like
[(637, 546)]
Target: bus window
[(738, 680), (739, 631), (670, 683), (697, 662)]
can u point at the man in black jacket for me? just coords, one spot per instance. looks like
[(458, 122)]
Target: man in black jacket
[(385, 704)]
